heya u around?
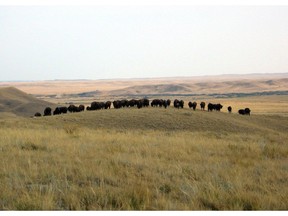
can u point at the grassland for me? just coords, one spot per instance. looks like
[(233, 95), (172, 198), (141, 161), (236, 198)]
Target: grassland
[(147, 159)]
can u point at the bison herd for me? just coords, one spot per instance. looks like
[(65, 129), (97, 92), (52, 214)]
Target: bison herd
[(117, 104)]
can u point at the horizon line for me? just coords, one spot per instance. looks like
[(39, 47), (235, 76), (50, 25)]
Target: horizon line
[(143, 78)]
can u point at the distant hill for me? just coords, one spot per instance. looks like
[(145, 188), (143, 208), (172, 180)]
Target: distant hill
[(197, 87), (15, 102), (220, 84)]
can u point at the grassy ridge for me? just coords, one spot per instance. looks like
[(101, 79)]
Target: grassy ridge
[(14, 102), (144, 159), (170, 119)]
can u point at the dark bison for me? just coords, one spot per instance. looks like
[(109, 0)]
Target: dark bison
[(178, 104), (245, 111), (168, 102), (160, 103), (145, 102), (81, 108), (72, 108), (60, 110), (192, 105), (132, 103), (241, 111), (157, 102), (96, 106), (202, 105), (229, 109), (120, 103), (37, 114), (117, 104), (165, 104), (107, 104), (139, 104), (210, 107), (47, 111), (216, 107), (142, 103)]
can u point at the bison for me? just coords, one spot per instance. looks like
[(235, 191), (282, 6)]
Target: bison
[(37, 114), (168, 102), (107, 104), (245, 111), (156, 103), (81, 108), (145, 102), (216, 107), (241, 111), (117, 104), (178, 104), (229, 109), (192, 105), (202, 105), (60, 110), (72, 108), (139, 104), (96, 105), (47, 111)]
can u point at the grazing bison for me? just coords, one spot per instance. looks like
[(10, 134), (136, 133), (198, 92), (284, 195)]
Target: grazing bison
[(81, 108), (192, 105), (139, 104), (216, 107), (107, 104), (96, 105), (165, 104), (117, 104), (132, 103), (160, 103), (47, 111), (178, 104), (241, 111), (202, 105), (37, 114), (145, 102), (229, 109), (156, 103), (72, 108), (60, 110), (210, 107), (168, 102), (245, 111)]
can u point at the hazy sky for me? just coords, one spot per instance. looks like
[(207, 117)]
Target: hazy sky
[(99, 42)]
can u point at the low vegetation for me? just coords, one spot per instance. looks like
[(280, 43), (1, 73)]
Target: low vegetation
[(147, 159)]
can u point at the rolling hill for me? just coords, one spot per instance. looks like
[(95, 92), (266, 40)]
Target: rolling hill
[(14, 102), (220, 84), (143, 159)]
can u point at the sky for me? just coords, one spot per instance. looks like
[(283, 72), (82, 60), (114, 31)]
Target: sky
[(48, 42)]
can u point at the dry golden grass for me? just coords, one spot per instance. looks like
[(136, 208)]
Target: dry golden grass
[(15, 102), (147, 159)]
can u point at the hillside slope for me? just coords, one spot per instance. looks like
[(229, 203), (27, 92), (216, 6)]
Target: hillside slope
[(169, 119), (144, 159), (15, 102)]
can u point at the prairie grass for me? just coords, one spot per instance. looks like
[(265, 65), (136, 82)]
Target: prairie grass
[(148, 159)]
